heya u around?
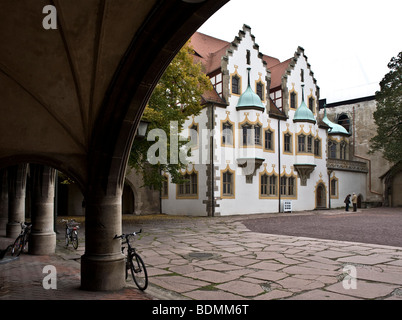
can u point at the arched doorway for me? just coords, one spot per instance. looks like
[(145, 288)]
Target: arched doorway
[(359, 200), (128, 200), (321, 196)]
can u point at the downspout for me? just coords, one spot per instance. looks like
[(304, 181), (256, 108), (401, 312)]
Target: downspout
[(211, 161), (279, 165), (363, 158), (329, 188)]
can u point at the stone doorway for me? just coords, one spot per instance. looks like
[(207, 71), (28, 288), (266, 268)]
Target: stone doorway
[(321, 199)]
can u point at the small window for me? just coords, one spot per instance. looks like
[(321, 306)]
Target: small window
[(227, 183), (251, 135), (235, 84), (343, 150), (310, 144), (301, 143), (291, 186), (194, 135), (272, 185), (302, 75), (257, 135), (293, 98), (227, 133), (260, 90), (334, 187), (287, 143), (332, 146), (268, 185), (269, 143), (317, 147), (248, 56), (311, 104), (288, 186), (189, 188), (283, 185), (247, 135)]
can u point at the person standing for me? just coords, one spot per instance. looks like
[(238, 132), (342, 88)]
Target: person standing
[(347, 202), (354, 202)]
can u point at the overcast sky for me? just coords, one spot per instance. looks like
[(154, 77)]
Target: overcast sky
[(348, 42)]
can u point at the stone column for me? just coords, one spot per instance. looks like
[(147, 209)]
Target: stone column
[(102, 265), (43, 237), (17, 178), (3, 199)]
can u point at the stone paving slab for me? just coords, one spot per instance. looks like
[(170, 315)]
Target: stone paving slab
[(252, 265), (220, 259)]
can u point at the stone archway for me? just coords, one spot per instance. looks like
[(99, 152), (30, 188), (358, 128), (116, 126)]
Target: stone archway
[(77, 108)]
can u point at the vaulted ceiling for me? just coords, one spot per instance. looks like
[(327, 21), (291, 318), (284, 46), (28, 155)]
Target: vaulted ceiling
[(72, 97)]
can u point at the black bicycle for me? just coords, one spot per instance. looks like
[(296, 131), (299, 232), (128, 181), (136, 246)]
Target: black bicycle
[(71, 232), (134, 261), (21, 243)]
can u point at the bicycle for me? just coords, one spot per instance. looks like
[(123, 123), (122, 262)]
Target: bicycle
[(134, 262), (71, 232), (22, 240)]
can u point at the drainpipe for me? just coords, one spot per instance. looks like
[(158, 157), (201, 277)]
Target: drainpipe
[(279, 164), (329, 188), (211, 161)]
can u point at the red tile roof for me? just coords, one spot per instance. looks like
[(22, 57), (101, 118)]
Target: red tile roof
[(210, 50), (277, 71)]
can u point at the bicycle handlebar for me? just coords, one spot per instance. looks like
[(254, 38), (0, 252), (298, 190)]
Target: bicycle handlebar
[(127, 235)]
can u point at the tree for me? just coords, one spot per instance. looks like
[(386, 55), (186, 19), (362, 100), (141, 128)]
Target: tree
[(176, 97), (388, 116)]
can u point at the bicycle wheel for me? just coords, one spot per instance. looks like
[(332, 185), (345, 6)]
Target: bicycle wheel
[(25, 243), (74, 239), (17, 246), (139, 272)]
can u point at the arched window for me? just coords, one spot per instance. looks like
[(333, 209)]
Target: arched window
[(344, 121)]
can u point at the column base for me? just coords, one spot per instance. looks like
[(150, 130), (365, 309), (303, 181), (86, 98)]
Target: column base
[(103, 272), (42, 243)]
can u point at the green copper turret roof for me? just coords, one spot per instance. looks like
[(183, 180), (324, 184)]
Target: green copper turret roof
[(334, 127), (249, 99), (303, 113)]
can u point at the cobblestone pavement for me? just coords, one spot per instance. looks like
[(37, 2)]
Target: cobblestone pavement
[(221, 259)]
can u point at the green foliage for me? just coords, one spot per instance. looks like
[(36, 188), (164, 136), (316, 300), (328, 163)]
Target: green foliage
[(176, 97), (388, 116)]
